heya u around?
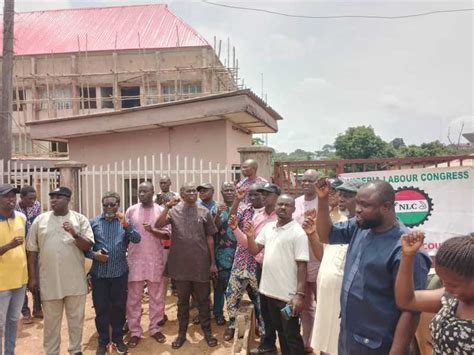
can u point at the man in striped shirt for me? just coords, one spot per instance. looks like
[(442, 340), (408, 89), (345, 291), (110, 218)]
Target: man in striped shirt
[(112, 234)]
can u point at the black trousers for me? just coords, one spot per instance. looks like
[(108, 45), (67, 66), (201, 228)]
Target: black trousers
[(200, 292), (291, 342), (109, 296), (269, 339)]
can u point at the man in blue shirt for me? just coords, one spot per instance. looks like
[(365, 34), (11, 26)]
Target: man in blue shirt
[(371, 322), (112, 233), (206, 196)]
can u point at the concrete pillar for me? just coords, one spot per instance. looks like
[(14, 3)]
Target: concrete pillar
[(262, 155), (69, 177)]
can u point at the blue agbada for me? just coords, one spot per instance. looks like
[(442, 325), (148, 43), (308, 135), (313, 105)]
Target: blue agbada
[(369, 314)]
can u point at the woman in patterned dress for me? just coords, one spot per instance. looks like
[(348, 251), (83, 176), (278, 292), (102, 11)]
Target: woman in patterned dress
[(452, 329)]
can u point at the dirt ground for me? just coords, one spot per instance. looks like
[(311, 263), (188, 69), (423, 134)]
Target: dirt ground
[(30, 336)]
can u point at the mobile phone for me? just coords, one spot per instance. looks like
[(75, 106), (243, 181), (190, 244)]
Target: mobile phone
[(287, 312), (104, 251)]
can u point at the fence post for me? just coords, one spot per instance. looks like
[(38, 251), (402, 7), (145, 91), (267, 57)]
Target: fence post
[(262, 155), (69, 177)]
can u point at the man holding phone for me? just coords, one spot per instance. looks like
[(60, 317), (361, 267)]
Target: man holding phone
[(283, 282), (13, 273), (112, 234)]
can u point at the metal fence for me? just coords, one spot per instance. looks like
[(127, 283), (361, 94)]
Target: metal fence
[(42, 178), (288, 174), (124, 177)]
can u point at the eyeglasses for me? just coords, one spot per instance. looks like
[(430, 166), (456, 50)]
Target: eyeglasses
[(109, 205)]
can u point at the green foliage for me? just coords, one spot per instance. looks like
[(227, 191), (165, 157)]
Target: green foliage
[(362, 143), (257, 141), (430, 149), (397, 143)]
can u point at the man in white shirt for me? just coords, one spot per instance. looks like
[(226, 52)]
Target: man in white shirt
[(284, 272)]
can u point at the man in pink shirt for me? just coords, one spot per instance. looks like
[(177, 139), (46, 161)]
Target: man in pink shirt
[(146, 263), (308, 201)]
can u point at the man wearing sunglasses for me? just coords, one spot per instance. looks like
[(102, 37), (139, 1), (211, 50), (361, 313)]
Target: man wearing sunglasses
[(112, 234)]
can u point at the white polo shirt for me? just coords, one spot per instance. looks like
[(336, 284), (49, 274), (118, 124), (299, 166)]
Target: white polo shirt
[(284, 246)]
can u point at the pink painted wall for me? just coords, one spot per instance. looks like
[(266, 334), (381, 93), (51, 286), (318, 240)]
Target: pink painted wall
[(214, 141)]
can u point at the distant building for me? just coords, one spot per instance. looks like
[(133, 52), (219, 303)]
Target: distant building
[(90, 82)]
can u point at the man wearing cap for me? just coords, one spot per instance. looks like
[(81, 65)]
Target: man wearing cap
[(245, 268), (270, 193), (327, 323), (13, 270), (206, 196), (283, 282), (31, 208), (109, 272), (334, 211), (249, 171), (306, 202), (224, 248), (57, 242)]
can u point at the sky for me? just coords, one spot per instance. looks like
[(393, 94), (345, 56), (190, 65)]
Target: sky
[(410, 78)]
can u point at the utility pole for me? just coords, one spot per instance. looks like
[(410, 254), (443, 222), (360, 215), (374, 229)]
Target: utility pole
[(7, 83)]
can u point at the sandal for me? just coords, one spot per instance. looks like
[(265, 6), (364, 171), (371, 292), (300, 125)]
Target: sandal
[(211, 340), (159, 337), (178, 341), (133, 342), (229, 334)]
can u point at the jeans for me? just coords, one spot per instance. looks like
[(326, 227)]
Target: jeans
[(109, 296), (11, 302)]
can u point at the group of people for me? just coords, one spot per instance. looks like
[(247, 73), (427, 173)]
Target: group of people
[(335, 262)]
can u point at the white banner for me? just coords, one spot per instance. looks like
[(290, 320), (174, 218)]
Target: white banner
[(438, 201)]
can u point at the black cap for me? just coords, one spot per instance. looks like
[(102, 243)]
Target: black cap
[(335, 183), (61, 191), (6, 188), (207, 185), (269, 187)]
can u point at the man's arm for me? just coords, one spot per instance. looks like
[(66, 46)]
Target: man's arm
[(253, 247), (164, 217), (404, 333), (309, 226), (323, 222), (210, 247), (16, 241), (297, 302), (32, 259)]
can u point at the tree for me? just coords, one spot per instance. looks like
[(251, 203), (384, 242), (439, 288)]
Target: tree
[(397, 143), (362, 143), (327, 152), (435, 148)]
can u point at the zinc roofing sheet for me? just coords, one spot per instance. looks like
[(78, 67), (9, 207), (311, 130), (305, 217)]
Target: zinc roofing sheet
[(101, 29)]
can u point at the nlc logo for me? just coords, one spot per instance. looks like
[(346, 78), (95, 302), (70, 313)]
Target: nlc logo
[(412, 206)]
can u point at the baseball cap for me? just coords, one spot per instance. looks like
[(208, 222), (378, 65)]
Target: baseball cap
[(62, 191), (350, 185), (6, 188), (269, 187), (207, 185), (335, 182)]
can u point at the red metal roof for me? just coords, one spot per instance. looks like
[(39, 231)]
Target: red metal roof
[(101, 29)]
